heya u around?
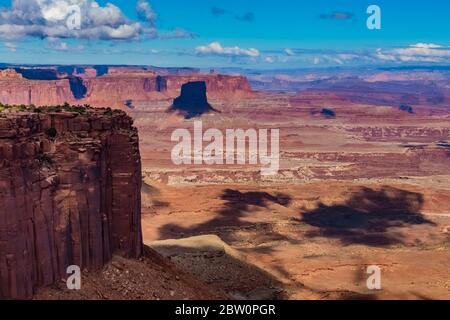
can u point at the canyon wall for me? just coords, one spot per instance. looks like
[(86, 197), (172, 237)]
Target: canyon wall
[(16, 91), (69, 195), (117, 89)]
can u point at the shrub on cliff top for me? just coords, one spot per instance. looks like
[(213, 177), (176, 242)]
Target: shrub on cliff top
[(57, 108)]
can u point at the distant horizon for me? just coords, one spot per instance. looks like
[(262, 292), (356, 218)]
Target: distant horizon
[(4, 65)]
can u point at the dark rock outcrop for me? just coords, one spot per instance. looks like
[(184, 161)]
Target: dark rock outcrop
[(69, 195), (406, 108), (328, 113), (193, 101)]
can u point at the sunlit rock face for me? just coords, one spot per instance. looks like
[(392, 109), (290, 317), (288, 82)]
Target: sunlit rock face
[(108, 87), (69, 195)]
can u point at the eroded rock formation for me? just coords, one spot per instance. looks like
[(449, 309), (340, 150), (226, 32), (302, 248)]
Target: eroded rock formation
[(16, 90), (192, 101), (69, 195)]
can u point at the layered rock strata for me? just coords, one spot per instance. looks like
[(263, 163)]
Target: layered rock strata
[(114, 89), (69, 195)]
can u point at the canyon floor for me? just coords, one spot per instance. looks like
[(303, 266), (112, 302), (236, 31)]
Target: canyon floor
[(369, 186)]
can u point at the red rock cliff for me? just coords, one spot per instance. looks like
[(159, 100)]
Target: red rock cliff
[(115, 89), (16, 90), (69, 195)]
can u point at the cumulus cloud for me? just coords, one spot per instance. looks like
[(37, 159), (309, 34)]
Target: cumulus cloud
[(55, 18), (420, 52), (337, 15), (49, 18), (215, 48), (146, 13)]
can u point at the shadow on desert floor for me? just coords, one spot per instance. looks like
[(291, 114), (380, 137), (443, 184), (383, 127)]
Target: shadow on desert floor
[(237, 206), (369, 217)]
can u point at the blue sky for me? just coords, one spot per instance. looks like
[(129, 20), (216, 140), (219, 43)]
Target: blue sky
[(232, 33)]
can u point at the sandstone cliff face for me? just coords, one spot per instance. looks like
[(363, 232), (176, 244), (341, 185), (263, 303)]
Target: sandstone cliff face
[(114, 90), (217, 85), (69, 195), (16, 91)]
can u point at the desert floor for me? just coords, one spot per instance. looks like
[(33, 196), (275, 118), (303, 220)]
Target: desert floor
[(370, 186)]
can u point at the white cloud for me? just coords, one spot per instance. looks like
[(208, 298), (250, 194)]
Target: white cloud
[(215, 48), (289, 52), (420, 52), (384, 56), (145, 12), (50, 19), (10, 46), (426, 46)]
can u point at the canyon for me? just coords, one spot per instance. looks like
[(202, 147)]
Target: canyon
[(361, 181), (368, 186)]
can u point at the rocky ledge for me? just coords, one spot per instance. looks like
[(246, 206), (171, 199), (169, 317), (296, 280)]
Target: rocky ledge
[(70, 181)]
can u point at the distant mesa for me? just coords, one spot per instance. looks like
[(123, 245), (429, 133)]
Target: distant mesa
[(193, 101), (112, 86), (10, 74)]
